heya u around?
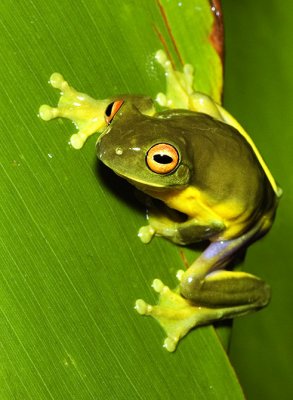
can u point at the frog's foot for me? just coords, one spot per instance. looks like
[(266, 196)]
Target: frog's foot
[(179, 84), (158, 226), (180, 91), (146, 233), (85, 112), (176, 315), (161, 223)]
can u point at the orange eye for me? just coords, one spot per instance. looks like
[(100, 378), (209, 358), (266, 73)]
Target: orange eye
[(112, 110), (162, 158)]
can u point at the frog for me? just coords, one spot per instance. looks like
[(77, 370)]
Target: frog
[(203, 180)]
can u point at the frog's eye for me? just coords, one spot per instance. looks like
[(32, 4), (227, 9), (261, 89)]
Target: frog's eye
[(162, 158), (112, 110)]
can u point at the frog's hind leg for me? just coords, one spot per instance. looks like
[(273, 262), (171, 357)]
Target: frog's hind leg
[(205, 281), (224, 288), (207, 292)]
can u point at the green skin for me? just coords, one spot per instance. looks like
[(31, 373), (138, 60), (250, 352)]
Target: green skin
[(220, 183), (206, 165)]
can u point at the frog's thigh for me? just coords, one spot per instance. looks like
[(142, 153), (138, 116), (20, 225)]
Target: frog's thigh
[(225, 288), (198, 280)]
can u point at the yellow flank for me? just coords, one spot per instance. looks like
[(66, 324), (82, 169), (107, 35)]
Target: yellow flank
[(199, 206)]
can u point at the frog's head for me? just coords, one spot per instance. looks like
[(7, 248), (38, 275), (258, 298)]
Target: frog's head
[(147, 151)]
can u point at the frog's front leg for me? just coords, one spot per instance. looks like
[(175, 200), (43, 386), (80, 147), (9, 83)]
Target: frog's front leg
[(189, 231), (207, 293)]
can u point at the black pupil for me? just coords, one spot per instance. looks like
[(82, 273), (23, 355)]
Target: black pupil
[(163, 159), (109, 109)]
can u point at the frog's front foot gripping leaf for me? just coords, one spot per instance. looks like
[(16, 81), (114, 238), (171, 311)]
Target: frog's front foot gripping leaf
[(85, 112)]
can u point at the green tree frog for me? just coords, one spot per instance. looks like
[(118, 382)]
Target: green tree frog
[(197, 160)]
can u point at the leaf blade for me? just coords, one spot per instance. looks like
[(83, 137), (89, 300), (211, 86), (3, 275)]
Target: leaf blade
[(68, 324)]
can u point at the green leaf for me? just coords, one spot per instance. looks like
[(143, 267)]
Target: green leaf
[(71, 264)]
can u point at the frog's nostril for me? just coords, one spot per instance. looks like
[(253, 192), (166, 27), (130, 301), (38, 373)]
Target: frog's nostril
[(118, 151)]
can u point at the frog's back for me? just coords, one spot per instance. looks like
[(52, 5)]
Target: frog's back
[(227, 171)]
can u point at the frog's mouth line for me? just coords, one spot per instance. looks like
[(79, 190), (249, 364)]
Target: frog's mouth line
[(139, 184), (145, 187)]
